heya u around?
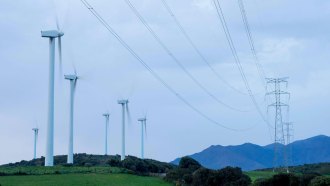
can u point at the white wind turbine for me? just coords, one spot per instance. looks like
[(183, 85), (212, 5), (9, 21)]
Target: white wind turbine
[(106, 115), (143, 129), (73, 83), (52, 35), (124, 104), (36, 130)]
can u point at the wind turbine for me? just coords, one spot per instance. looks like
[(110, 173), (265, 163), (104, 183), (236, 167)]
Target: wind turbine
[(124, 104), (36, 130), (52, 35), (143, 128), (73, 82), (106, 115)]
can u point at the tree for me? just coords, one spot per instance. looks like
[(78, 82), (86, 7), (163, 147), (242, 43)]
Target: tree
[(320, 181), (189, 163)]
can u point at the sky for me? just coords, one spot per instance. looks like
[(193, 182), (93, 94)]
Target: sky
[(291, 40)]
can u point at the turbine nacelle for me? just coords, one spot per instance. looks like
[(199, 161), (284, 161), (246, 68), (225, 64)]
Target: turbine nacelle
[(71, 77), (124, 101), (142, 119), (35, 129), (52, 33), (106, 115)]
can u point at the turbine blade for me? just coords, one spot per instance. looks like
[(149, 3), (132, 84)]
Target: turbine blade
[(145, 128), (57, 23), (60, 56), (129, 119), (37, 136), (74, 68), (74, 86)]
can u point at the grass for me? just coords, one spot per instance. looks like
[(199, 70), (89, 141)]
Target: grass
[(259, 174), (63, 175), (41, 170), (82, 179)]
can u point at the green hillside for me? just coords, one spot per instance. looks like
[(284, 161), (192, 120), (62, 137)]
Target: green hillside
[(87, 170), (82, 179)]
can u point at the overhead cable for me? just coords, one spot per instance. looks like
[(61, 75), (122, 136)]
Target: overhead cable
[(197, 50), (153, 73), (177, 61)]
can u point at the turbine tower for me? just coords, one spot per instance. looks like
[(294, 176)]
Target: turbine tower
[(73, 82), (36, 130), (124, 104), (143, 128), (52, 35), (106, 115)]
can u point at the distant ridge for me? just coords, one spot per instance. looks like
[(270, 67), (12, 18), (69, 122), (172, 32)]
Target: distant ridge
[(249, 156)]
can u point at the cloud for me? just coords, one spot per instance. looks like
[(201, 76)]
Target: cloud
[(203, 4), (279, 50)]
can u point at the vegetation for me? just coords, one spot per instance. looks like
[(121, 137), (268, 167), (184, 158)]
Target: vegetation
[(82, 179), (41, 170), (320, 181), (88, 163), (318, 168), (190, 172), (142, 166), (107, 170), (307, 175), (87, 170), (291, 179), (254, 175)]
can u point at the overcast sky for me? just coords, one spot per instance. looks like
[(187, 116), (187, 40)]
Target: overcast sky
[(291, 39)]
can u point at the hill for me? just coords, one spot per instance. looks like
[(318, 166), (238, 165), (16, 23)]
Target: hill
[(83, 179), (131, 163), (250, 156)]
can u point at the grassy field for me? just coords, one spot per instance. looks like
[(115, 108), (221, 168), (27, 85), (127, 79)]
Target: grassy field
[(62, 175), (259, 174), (41, 170), (82, 179)]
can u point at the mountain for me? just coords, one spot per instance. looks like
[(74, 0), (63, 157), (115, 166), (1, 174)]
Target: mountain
[(250, 156)]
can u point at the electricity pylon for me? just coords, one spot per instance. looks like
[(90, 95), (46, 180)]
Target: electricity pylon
[(280, 130), (289, 139)]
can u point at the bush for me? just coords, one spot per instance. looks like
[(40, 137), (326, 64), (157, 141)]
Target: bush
[(201, 177), (187, 179), (189, 163), (305, 179), (233, 176), (262, 182), (177, 175), (320, 181), (185, 175), (285, 179)]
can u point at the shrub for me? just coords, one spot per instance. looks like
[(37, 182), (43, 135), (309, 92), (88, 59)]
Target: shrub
[(320, 181), (285, 179), (230, 176), (176, 175), (201, 177), (187, 179), (262, 182), (305, 179), (189, 163)]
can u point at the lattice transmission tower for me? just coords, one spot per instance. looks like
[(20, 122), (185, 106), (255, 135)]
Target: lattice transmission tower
[(281, 127)]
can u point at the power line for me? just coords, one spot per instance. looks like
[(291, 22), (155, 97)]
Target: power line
[(176, 60), (261, 72), (237, 60), (200, 54), (153, 73)]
